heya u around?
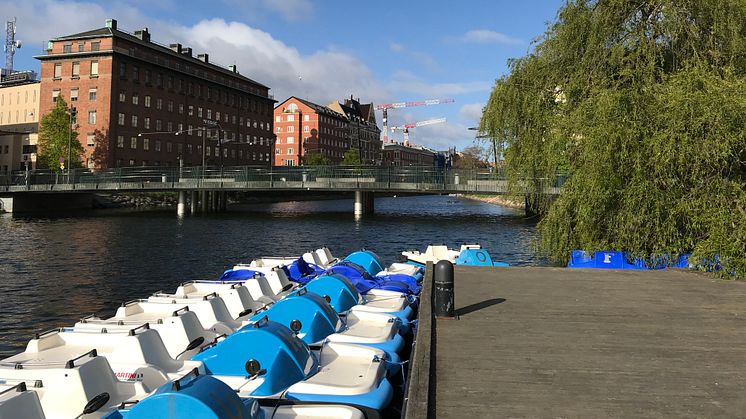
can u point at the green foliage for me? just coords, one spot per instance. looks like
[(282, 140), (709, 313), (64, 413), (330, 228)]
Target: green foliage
[(316, 160), (471, 157), (352, 158), (641, 102), (55, 138)]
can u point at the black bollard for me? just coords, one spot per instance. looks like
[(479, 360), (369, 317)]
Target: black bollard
[(443, 305)]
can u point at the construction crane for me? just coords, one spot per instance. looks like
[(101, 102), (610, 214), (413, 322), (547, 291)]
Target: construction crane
[(11, 45), (386, 106), (407, 127)]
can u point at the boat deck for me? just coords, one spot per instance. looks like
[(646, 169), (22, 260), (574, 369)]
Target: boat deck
[(562, 343)]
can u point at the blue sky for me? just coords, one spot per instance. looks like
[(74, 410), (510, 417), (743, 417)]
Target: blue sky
[(383, 51)]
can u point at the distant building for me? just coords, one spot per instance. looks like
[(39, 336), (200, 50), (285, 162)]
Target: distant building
[(303, 128), (19, 121), (363, 131), (401, 155), (140, 103)]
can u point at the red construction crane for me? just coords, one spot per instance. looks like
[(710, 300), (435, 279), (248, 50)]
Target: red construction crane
[(386, 106), (407, 127)]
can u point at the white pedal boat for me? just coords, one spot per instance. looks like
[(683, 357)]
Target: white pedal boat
[(16, 401), (210, 309)]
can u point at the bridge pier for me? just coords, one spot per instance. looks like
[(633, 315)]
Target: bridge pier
[(364, 204), (181, 205), (193, 202), (203, 201)]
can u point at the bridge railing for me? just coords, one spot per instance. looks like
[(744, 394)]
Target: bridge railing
[(253, 177)]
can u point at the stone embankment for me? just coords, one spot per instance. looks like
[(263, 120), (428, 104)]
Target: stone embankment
[(135, 201), (503, 201)]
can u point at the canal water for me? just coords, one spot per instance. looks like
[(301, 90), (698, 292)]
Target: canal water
[(56, 269)]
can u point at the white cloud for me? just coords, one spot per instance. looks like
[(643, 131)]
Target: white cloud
[(471, 112), (396, 47), (404, 81), (291, 10), (485, 36)]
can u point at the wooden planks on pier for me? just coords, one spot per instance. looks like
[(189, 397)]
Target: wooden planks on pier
[(561, 343)]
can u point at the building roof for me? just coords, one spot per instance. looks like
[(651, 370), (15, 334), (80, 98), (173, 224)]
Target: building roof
[(316, 107), (117, 33)]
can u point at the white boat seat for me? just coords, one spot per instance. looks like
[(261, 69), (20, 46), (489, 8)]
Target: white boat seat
[(400, 268), (382, 301), (65, 388), (236, 296), (366, 327), (176, 326), (210, 309), (16, 401)]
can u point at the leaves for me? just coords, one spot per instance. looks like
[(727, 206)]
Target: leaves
[(641, 102), (57, 139)]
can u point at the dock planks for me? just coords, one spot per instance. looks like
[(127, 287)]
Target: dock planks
[(561, 343)]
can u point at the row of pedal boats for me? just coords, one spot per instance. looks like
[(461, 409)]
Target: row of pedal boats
[(312, 336)]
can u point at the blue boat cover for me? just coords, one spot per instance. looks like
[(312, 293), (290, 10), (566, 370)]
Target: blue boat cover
[(239, 275), (277, 349), (605, 259), (193, 396), (364, 282), (341, 292), (318, 319), (477, 257), (301, 271), (366, 260)]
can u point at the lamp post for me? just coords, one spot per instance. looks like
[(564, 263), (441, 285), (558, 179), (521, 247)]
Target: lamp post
[(494, 142)]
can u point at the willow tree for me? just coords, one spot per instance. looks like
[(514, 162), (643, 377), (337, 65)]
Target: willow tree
[(641, 103)]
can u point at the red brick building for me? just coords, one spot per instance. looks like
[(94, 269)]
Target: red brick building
[(141, 103), (304, 128)]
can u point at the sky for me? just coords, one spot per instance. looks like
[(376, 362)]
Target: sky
[(381, 52)]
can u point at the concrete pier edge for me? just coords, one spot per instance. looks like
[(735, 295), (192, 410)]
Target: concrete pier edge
[(422, 372)]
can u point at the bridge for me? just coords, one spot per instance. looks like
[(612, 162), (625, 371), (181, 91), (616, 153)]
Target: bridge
[(207, 187)]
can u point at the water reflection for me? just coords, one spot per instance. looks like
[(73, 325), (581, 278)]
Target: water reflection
[(56, 269)]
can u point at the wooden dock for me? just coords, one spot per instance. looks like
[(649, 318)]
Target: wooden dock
[(561, 343)]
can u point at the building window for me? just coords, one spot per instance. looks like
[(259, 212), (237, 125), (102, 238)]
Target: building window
[(306, 118), (94, 68), (133, 143), (95, 45), (91, 140), (291, 140), (159, 104), (134, 121), (146, 123), (67, 48), (199, 112), (157, 145), (158, 126), (209, 114), (169, 146), (74, 95), (290, 150), (189, 148), (278, 129), (147, 77), (122, 97), (291, 129), (181, 108), (120, 119), (135, 99), (132, 162), (278, 151), (120, 141), (291, 118), (190, 110), (170, 105), (135, 73), (207, 150), (81, 46), (122, 71), (147, 101), (306, 128), (92, 117), (278, 118), (92, 93), (57, 71), (146, 144)]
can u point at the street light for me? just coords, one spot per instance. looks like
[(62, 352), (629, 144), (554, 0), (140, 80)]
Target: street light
[(480, 135), (73, 116)]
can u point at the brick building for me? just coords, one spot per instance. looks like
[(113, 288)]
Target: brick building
[(142, 103), (401, 155), (304, 128), (362, 129)]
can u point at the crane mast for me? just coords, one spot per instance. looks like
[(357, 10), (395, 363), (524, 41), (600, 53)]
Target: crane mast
[(407, 127)]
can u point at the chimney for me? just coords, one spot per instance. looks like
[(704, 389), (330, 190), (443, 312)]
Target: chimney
[(111, 24), (205, 58), (143, 35), (186, 51), (175, 48), (233, 68)]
